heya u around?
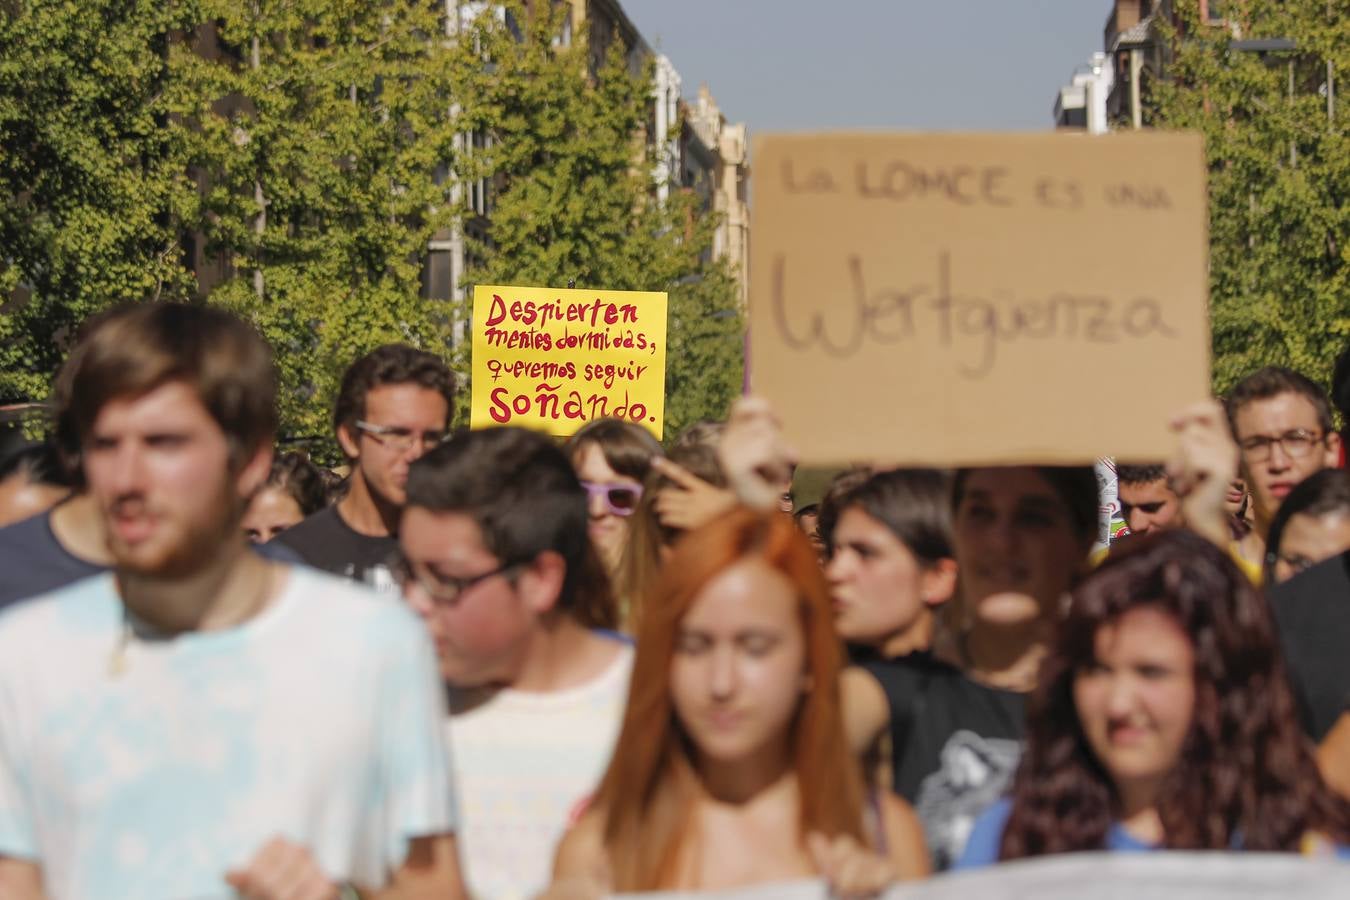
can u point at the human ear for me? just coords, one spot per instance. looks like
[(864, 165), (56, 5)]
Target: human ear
[(347, 441), (1333, 454), (937, 581), (540, 584), (253, 475)]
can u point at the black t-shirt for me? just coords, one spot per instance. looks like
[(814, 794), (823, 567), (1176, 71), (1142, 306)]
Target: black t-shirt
[(1312, 613), (33, 562), (955, 745), (326, 542)]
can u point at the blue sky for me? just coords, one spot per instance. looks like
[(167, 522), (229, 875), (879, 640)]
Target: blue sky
[(790, 65)]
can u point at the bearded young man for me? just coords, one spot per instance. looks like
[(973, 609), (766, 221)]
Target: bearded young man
[(202, 718)]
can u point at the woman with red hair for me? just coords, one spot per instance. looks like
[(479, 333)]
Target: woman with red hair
[(732, 767)]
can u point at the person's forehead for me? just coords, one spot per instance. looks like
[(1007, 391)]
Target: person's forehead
[(408, 404), (856, 523), (1307, 528), (747, 593), (174, 403), (591, 465), (1141, 627), (1017, 485), (1144, 490), (1285, 410)]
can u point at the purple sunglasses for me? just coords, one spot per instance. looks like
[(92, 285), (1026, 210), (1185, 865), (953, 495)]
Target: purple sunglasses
[(620, 499)]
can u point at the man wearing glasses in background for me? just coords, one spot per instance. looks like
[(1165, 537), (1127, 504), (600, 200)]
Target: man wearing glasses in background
[(495, 557), (1281, 421), (394, 405)]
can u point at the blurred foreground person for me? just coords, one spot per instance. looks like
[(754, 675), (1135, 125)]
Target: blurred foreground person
[(32, 481), (733, 768), (1021, 536), (180, 726), (294, 489), (1163, 721), (496, 560), (683, 491)]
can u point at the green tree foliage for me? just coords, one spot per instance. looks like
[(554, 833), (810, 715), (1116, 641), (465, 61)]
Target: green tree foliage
[(91, 180), (289, 159), (577, 194), (1279, 178), (320, 136)]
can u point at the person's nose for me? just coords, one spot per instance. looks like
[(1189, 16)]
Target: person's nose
[(417, 599), (126, 473), (839, 567), (1280, 460), (722, 676), (1120, 697), (596, 506), (1002, 538)]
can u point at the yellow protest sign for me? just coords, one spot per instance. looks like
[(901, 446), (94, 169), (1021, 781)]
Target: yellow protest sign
[(979, 299), (553, 359)]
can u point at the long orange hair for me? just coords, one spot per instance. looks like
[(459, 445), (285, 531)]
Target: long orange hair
[(647, 795)]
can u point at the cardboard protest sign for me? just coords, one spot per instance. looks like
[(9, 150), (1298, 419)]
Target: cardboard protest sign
[(553, 359), (976, 299)]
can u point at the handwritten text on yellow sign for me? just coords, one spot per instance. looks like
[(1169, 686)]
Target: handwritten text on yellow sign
[(553, 359)]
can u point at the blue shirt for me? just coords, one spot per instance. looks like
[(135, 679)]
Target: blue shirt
[(983, 846), (985, 838), (135, 765)]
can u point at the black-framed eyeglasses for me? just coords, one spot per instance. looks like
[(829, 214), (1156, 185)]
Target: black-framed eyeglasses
[(401, 439), (620, 499), (443, 590), (1295, 444)]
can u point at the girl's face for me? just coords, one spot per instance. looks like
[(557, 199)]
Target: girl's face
[(1016, 548), (738, 670), (608, 531), (270, 512), (876, 582), (1136, 701)]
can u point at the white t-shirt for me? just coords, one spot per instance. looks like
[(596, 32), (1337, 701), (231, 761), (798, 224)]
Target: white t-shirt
[(147, 767), (525, 763)]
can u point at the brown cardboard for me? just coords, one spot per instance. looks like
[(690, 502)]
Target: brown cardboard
[(979, 299)]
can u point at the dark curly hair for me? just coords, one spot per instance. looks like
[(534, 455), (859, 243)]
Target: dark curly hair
[(299, 478), (1245, 776)]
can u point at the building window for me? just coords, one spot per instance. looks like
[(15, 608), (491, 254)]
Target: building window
[(438, 275), (1214, 12)]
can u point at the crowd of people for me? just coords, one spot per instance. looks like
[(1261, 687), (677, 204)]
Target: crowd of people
[(492, 664)]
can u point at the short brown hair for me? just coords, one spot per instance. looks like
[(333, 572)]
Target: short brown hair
[(132, 350), (391, 364), (1271, 382)]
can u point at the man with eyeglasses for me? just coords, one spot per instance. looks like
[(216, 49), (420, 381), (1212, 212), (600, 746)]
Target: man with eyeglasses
[(496, 559), (394, 405), (1281, 421)]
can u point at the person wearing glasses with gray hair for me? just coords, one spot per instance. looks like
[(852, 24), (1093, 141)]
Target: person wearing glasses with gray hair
[(393, 406)]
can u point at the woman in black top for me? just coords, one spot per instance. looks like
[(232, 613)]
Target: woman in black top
[(1021, 538)]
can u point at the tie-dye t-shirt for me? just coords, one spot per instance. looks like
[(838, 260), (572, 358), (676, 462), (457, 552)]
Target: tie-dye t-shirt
[(136, 766)]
